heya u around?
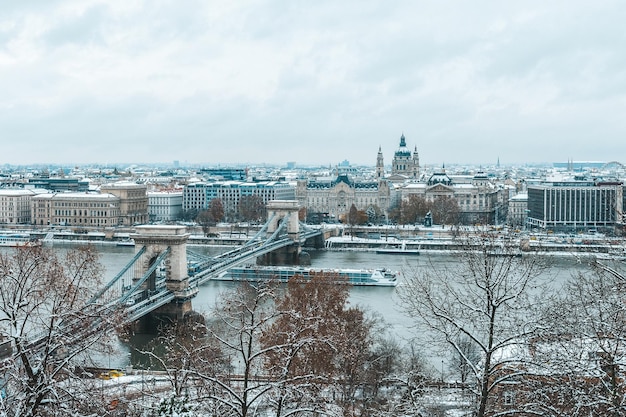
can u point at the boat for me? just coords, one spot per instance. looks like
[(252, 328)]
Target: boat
[(18, 239), (398, 251), (395, 250), (380, 277)]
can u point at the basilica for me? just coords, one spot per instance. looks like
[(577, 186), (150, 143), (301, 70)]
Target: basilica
[(478, 198)]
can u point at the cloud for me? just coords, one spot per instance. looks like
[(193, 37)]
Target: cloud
[(267, 82)]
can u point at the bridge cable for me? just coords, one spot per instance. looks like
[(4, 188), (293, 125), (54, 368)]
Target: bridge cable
[(145, 277), (117, 277)]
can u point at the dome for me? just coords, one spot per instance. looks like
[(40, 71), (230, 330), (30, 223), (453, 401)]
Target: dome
[(439, 178), (403, 150)]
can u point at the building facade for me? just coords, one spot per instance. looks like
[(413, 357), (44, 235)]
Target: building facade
[(133, 201), (479, 200), (333, 199), (575, 205), (76, 209), (197, 196), (518, 210), (15, 206), (165, 206)]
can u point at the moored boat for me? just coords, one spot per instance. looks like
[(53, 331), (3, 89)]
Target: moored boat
[(380, 277), (18, 239), (397, 251)]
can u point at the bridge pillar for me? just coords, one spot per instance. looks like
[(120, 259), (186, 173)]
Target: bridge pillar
[(280, 211), (156, 239)]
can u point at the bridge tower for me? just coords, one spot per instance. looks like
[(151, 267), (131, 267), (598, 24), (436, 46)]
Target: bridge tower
[(157, 239), (280, 211)]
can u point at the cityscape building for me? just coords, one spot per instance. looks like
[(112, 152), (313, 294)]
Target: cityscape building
[(15, 205), (76, 209), (133, 201), (405, 164), (198, 195), (480, 200), (518, 210), (165, 206), (329, 200), (574, 205)]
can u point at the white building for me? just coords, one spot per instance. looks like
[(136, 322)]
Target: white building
[(15, 206), (165, 206), (197, 196), (518, 209), (405, 164)]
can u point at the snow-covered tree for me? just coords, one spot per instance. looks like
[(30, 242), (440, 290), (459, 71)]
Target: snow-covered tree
[(318, 346), (187, 353), (583, 350), (45, 318), (483, 298), (237, 325)]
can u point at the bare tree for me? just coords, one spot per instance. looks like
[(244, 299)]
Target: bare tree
[(205, 220), (464, 354), (414, 209), (212, 215), (584, 347), (238, 324), (45, 316), (216, 209), (486, 299), (317, 345), (302, 342), (445, 210), (252, 208)]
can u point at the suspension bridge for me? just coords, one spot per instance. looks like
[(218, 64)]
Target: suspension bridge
[(163, 276), (162, 279)]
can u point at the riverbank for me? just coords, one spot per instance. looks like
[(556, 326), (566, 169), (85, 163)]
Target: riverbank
[(420, 242)]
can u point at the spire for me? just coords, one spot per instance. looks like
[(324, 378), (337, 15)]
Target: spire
[(380, 164), (402, 141)]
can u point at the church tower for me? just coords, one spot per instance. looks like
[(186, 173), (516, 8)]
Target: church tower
[(380, 165), (404, 163), (416, 164)]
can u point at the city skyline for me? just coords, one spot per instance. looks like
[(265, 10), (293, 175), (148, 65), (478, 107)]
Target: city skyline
[(93, 82)]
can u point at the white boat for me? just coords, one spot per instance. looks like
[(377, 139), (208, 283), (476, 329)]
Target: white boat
[(18, 239), (363, 277), (395, 250)]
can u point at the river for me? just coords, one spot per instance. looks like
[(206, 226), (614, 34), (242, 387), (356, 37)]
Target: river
[(377, 300)]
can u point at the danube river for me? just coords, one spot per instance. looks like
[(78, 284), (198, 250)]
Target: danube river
[(378, 300)]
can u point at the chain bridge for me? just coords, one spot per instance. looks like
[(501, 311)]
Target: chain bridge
[(163, 277)]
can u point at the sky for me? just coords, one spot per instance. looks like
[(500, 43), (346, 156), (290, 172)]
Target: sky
[(313, 82)]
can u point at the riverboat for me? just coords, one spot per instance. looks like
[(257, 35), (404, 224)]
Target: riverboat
[(397, 251), (362, 277), (18, 239)]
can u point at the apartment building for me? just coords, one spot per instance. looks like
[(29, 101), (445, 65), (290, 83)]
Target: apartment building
[(165, 206), (76, 209), (15, 206), (133, 201), (197, 196)]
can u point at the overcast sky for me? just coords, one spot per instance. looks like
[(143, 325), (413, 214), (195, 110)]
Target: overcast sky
[(315, 82)]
